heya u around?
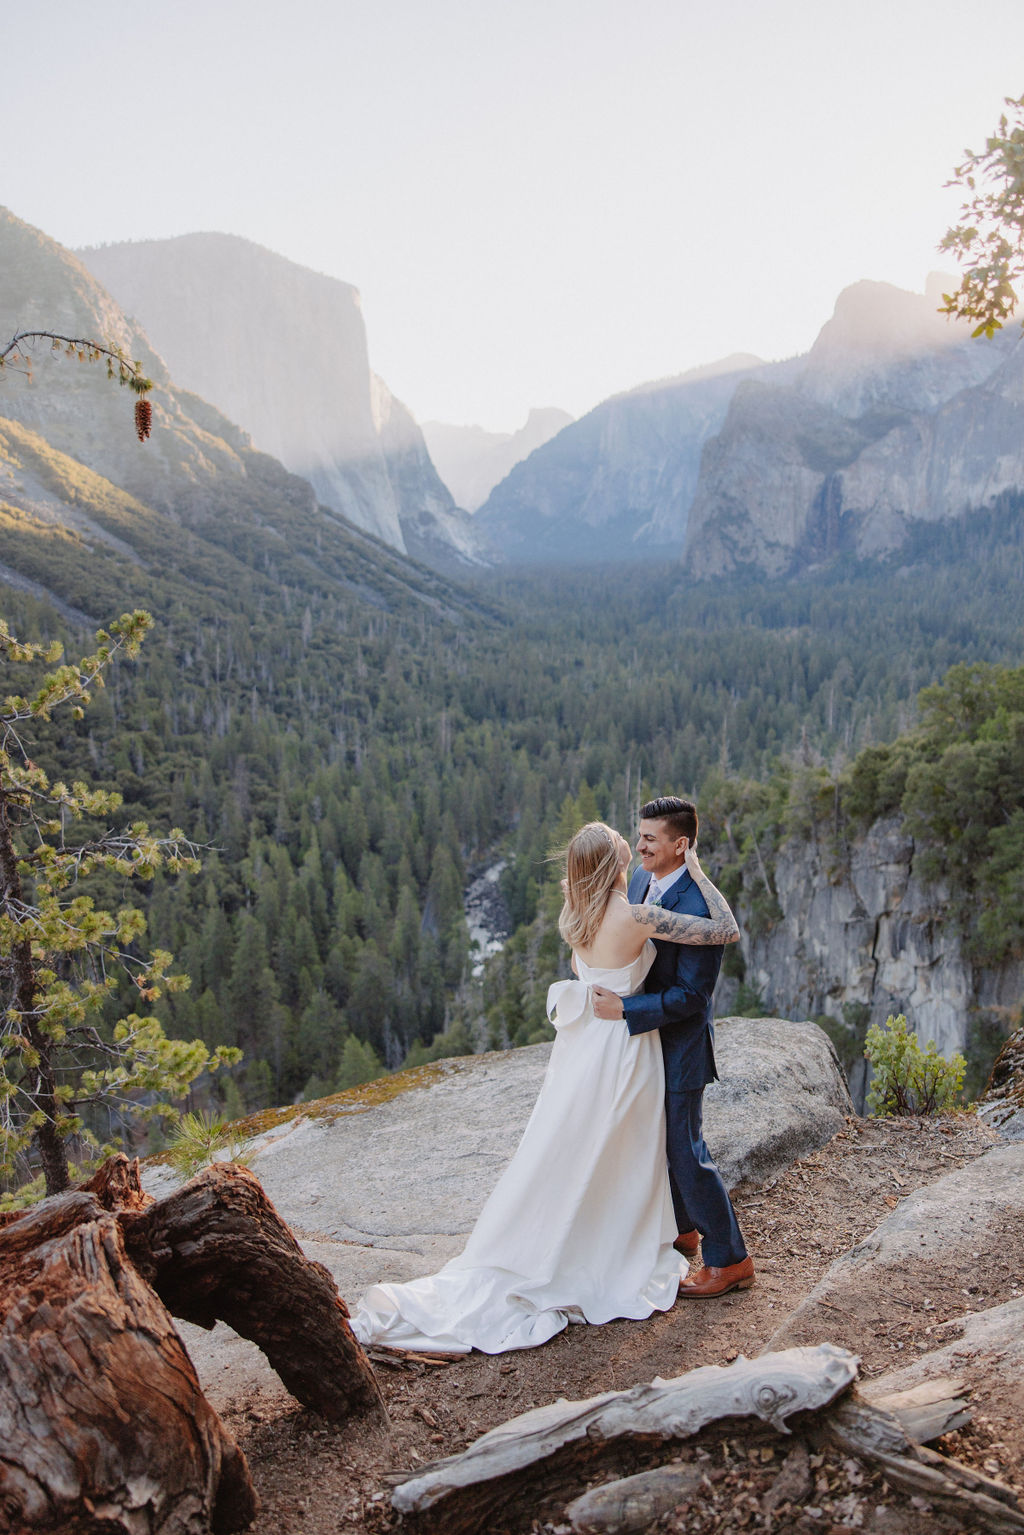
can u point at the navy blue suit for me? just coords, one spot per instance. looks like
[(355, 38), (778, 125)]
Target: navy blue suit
[(676, 999)]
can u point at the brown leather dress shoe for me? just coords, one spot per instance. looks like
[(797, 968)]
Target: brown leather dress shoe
[(710, 1281), (687, 1243)]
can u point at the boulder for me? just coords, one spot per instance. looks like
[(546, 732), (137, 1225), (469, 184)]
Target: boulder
[(781, 1095), (1002, 1106)]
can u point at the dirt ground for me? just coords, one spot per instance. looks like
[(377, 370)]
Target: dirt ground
[(319, 1478)]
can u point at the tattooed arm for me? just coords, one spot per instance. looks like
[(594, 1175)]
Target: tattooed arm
[(676, 927)]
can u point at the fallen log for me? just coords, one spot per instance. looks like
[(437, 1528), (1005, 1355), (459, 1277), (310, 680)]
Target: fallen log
[(867, 1430), (927, 1411), (537, 1464), (103, 1425), (545, 1455), (634, 1503)]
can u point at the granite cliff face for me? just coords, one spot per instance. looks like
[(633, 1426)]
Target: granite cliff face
[(618, 483), (873, 935), (471, 460), (196, 462), (885, 348), (893, 418), (282, 350), (86, 509), (433, 529)]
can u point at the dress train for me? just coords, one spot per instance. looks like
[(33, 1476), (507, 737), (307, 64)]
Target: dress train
[(579, 1226)]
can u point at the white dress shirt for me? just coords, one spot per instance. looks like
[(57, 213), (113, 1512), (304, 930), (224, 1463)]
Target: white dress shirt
[(665, 883)]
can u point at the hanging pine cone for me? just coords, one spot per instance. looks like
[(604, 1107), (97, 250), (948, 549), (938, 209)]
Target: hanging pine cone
[(143, 419)]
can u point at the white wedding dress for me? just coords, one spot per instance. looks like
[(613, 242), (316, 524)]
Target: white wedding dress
[(579, 1227)]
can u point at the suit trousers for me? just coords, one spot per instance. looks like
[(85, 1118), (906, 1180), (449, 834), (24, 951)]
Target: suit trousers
[(699, 1196)]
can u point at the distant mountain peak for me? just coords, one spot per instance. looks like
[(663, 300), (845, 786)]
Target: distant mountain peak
[(237, 248), (894, 418), (44, 286), (885, 321)]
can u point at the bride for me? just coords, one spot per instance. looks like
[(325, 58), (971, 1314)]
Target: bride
[(580, 1226)]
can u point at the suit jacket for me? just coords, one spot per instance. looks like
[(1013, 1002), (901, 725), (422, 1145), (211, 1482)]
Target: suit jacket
[(677, 992)]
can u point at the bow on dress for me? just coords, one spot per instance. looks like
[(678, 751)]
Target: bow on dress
[(567, 1002)]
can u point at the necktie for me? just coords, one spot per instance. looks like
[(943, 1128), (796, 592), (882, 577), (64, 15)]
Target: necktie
[(653, 893)]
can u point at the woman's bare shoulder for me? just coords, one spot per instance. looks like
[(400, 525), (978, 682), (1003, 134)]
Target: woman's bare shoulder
[(618, 940)]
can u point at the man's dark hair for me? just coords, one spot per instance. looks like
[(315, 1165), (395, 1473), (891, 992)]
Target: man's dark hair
[(681, 815)]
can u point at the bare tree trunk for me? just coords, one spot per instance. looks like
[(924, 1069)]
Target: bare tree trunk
[(52, 1150)]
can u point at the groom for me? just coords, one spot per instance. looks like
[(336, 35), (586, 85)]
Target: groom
[(677, 1000)]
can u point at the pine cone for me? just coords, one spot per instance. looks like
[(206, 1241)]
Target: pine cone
[(143, 419)]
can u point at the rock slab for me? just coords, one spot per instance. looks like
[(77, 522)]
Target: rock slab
[(922, 1250), (390, 1192)]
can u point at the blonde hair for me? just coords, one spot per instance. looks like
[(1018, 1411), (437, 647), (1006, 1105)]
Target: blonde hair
[(592, 869)]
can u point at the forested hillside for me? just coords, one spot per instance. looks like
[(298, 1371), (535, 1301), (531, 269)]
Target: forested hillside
[(759, 700), (349, 736)]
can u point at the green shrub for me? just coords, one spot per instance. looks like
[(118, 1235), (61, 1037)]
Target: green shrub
[(907, 1079)]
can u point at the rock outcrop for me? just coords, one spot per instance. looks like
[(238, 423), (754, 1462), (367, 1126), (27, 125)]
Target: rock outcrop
[(928, 1243), (869, 939), (781, 1094), (392, 1192), (893, 419), (282, 351), (618, 483), (987, 1347)]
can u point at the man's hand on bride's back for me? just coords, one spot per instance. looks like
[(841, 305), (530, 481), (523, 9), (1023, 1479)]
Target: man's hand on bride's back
[(606, 1004)]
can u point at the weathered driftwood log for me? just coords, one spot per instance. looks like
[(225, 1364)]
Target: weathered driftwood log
[(546, 1454), (216, 1250), (103, 1426), (927, 1411), (865, 1429), (535, 1463)]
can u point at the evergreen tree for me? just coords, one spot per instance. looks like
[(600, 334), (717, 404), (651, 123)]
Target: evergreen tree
[(64, 1045), (359, 1063)]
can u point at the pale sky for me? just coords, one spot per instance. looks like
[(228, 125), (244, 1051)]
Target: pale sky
[(542, 202)]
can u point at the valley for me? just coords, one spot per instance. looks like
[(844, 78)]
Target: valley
[(352, 734)]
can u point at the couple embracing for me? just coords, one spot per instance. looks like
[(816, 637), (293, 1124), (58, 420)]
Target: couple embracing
[(612, 1187)]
